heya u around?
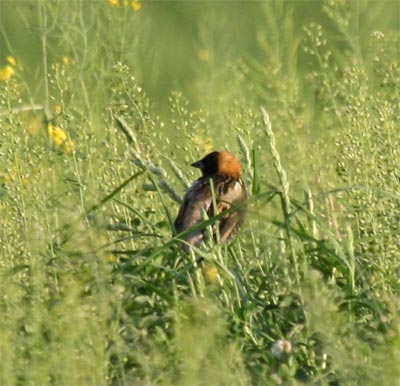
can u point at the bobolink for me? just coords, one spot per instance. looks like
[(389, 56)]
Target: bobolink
[(224, 170)]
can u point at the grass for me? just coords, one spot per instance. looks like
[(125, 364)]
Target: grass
[(99, 122)]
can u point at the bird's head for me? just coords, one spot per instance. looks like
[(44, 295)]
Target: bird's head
[(219, 162)]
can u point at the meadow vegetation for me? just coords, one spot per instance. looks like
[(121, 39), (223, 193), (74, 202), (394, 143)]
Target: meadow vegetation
[(103, 106)]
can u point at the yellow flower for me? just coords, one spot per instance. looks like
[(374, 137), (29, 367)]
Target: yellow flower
[(7, 72), (112, 259), (203, 144), (211, 273), (11, 60), (136, 5), (114, 3), (203, 55), (58, 109), (57, 134), (69, 146), (66, 60)]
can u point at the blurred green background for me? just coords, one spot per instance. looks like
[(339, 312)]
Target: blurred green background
[(183, 46)]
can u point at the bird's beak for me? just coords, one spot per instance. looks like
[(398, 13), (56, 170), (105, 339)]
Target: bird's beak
[(198, 164)]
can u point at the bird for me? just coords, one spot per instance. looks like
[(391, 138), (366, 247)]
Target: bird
[(225, 172)]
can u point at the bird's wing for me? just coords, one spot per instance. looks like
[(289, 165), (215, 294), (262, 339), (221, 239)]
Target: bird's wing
[(196, 201)]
